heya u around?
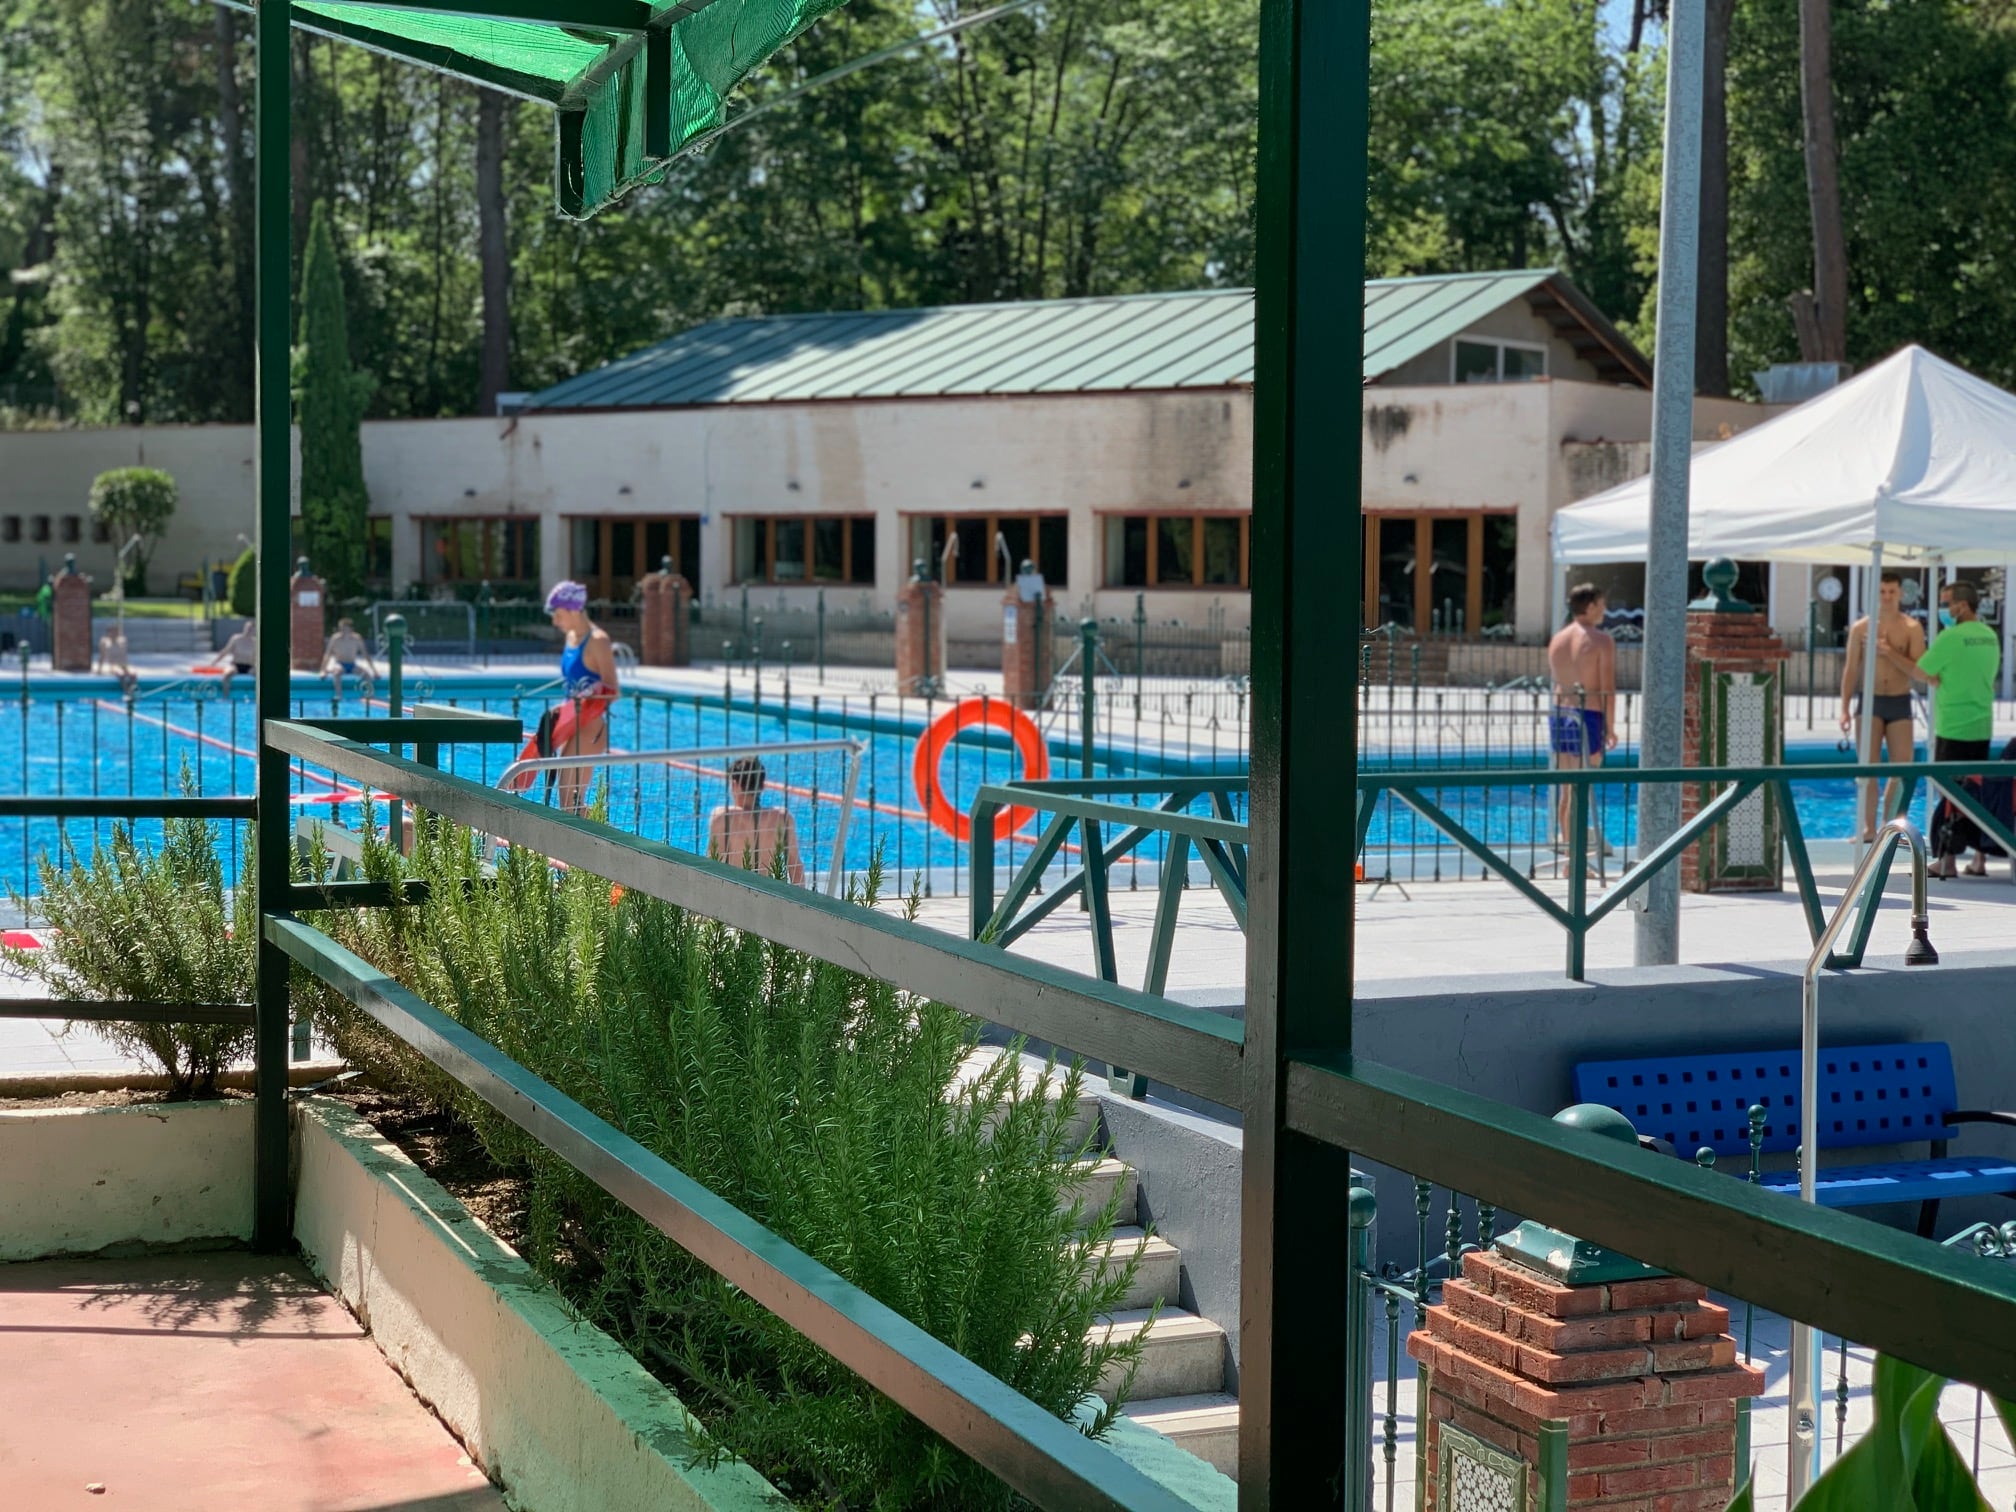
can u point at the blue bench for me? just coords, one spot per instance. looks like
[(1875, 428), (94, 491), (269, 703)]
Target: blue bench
[(1869, 1095)]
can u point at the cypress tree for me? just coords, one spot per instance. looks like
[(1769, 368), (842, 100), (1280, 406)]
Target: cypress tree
[(329, 401)]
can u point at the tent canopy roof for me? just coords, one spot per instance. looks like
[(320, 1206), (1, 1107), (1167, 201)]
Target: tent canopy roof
[(633, 83), (1915, 453)]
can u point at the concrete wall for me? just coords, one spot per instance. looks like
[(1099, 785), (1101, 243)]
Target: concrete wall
[(81, 1181)]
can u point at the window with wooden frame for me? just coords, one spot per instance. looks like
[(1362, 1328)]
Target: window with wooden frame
[(1044, 539), (1178, 550), (476, 548), (610, 553), (813, 549)]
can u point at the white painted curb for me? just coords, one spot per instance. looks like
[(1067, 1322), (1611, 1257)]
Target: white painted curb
[(552, 1408), (77, 1181)]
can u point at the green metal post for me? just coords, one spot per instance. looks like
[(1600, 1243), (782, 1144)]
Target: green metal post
[(822, 635), (1140, 638), (1309, 360), (1553, 1468), (1812, 635), (1578, 880), (485, 596), (1361, 1208), (395, 699), (271, 1215)]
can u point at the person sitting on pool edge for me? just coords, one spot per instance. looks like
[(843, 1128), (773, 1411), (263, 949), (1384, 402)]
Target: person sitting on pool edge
[(747, 832), (239, 658), (1582, 659), (112, 660), (340, 657), (588, 673)]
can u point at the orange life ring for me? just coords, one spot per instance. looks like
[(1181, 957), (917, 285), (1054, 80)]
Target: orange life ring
[(995, 713)]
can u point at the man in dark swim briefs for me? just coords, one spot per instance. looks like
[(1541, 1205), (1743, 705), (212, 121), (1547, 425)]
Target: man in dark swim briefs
[(1900, 641), (1582, 658)]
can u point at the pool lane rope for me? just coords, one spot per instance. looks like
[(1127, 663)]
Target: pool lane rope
[(967, 714)]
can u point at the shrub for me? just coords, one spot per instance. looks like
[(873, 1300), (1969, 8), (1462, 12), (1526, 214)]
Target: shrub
[(129, 502), (151, 924), (245, 584), (824, 1104)]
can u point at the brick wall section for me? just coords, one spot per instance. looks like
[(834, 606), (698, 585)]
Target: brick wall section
[(1025, 661), (1741, 643), (665, 628), (1643, 1373), (70, 623), (920, 634)]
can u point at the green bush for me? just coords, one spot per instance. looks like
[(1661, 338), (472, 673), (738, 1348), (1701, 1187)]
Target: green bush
[(153, 924), (245, 583), (822, 1103), (129, 502)]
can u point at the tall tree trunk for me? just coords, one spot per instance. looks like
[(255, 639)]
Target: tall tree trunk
[(239, 216), (29, 292), (1711, 321), (1821, 313), (493, 250)]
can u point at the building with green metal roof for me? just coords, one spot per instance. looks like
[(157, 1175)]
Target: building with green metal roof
[(1106, 439), (1194, 339)]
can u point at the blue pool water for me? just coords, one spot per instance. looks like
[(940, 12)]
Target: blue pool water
[(62, 740), (74, 739)]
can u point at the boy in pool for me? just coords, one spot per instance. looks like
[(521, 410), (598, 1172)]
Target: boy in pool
[(112, 660), (745, 831), (340, 657)]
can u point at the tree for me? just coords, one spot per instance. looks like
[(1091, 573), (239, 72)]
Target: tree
[(329, 397), (244, 584), (493, 245), (134, 503), (1821, 312)]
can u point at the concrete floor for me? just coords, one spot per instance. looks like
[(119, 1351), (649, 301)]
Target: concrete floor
[(194, 1382)]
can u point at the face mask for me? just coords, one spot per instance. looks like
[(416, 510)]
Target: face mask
[(1946, 618)]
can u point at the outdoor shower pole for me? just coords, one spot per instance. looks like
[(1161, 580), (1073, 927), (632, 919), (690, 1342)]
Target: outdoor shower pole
[(273, 407), (1662, 727)]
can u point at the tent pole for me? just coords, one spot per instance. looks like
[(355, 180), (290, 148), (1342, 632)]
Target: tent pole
[(1662, 727), (1872, 599)]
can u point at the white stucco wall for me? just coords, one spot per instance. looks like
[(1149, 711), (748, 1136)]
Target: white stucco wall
[(1509, 447)]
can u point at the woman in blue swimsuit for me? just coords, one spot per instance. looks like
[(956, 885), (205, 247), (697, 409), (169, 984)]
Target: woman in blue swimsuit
[(588, 673)]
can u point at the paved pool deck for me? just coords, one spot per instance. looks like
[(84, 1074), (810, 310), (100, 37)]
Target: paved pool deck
[(195, 1382)]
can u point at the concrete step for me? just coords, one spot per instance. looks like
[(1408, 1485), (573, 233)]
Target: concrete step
[(1158, 1275), (1207, 1425), (1103, 1178), (1183, 1354), (1084, 1117)]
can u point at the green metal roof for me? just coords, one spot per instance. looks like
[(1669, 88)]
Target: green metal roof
[(633, 83), (1195, 339)]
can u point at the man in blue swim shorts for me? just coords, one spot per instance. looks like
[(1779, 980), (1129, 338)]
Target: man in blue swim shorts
[(1582, 659)]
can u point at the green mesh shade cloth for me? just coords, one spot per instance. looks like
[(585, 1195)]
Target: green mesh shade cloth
[(632, 82)]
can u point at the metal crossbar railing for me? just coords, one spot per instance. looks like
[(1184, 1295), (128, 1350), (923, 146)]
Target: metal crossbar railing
[(1220, 840)]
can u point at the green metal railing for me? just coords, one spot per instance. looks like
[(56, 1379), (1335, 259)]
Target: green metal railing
[(1221, 841)]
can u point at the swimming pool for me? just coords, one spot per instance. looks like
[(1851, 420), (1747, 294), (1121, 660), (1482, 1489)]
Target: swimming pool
[(79, 739), (74, 736)]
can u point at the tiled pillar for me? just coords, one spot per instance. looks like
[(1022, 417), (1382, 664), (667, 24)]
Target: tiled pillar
[(920, 634), (1734, 717), (1026, 640), (1642, 1374), (307, 606), (70, 626), (665, 626)]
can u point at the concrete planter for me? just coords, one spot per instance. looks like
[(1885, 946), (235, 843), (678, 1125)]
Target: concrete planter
[(554, 1410), (86, 1181)]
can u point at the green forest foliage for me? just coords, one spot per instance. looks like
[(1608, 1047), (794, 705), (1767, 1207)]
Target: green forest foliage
[(1081, 146), (329, 397)]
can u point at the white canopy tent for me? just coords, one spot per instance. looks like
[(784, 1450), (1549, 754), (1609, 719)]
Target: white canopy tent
[(1915, 455), (1910, 464)]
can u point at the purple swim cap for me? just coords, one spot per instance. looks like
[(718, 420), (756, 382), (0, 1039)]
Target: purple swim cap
[(567, 595)]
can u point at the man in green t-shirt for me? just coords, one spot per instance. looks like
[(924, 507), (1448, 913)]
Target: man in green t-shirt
[(1961, 664)]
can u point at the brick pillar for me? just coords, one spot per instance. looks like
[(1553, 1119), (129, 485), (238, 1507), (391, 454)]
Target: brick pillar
[(1642, 1373), (920, 634), (1026, 646), (1735, 706), (307, 606), (665, 630), (70, 623)]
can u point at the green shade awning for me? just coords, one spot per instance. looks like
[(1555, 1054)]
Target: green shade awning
[(633, 82)]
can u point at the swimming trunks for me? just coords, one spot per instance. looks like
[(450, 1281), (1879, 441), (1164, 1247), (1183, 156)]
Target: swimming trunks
[(243, 669), (1890, 707), (1576, 732), (349, 668)]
